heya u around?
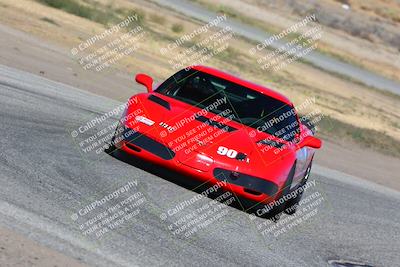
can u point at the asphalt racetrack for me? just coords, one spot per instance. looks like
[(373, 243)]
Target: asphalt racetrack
[(46, 180)]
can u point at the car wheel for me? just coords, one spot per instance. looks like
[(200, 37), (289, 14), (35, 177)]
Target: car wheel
[(274, 213), (111, 147), (292, 204)]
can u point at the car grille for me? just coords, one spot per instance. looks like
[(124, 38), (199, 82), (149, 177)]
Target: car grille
[(144, 142), (250, 183)]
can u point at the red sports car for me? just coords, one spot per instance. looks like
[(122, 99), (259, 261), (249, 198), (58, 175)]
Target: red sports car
[(223, 130)]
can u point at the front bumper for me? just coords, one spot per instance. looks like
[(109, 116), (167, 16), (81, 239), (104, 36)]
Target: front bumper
[(242, 185)]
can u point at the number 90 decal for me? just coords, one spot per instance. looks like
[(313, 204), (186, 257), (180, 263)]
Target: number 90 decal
[(230, 153)]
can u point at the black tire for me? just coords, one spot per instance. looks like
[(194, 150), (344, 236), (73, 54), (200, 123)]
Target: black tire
[(274, 213), (292, 204), (111, 147), (286, 190)]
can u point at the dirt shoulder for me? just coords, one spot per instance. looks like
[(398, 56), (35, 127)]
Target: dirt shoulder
[(17, 250)]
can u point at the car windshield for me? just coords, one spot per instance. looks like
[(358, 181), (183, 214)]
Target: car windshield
[(233, 101)]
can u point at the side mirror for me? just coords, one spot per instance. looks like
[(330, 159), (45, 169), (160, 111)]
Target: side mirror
[(146, 80), (310, 141)]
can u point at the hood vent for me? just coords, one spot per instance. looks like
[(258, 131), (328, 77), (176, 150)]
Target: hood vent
[(159, 101)]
